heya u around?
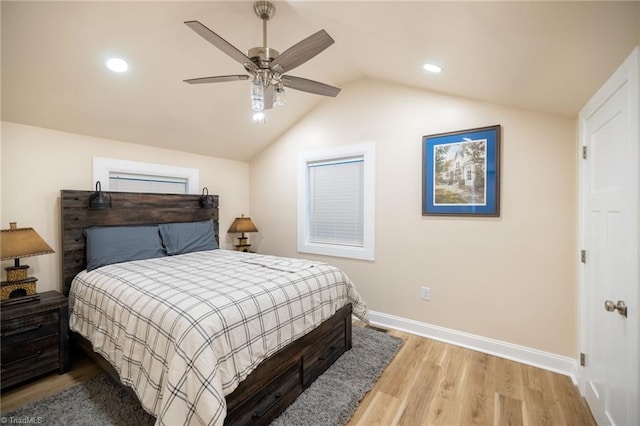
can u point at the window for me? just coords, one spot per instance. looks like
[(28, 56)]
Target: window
[(133, 176), (336, 202)]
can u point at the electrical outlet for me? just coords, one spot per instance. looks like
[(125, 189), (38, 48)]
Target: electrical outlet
[(426, 293)]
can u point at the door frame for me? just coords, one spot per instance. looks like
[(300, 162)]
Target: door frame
[(628, 73)]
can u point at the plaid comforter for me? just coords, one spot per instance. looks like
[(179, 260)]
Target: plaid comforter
[(183, 331)]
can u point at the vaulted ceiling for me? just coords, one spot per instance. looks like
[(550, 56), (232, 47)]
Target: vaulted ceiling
[(543, 56)]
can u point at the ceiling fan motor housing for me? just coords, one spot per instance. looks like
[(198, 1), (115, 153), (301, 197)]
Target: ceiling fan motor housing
[(262, 56)]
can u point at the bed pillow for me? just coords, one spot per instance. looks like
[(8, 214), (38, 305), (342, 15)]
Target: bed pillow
[(115, 244), (188, 237)]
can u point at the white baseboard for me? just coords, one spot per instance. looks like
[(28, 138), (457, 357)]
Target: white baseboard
[(534, 357)]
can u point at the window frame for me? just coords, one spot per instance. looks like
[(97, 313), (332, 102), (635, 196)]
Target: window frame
[(337, 154), (102, 167)]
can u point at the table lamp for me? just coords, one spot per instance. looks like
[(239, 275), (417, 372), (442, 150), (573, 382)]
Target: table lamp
[(16, 243), (242, 224)]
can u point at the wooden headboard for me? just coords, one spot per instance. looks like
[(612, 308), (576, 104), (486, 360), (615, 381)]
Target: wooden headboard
[(128, 208)]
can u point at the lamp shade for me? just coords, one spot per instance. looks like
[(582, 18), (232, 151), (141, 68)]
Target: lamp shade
[(22, 242), (242, 224)]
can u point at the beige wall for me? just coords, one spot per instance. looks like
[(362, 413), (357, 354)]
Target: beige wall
[(37, 163), (511, 278)]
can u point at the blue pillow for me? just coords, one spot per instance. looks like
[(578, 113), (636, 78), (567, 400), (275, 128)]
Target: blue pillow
[(115, 244), (188, 237)]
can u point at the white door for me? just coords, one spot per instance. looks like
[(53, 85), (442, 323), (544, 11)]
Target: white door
[(609, 235)]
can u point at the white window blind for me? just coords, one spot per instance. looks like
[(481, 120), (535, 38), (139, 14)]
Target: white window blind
[(336, 202), (137, 182)]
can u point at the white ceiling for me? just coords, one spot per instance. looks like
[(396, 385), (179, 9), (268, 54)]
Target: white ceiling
[(543, 56)]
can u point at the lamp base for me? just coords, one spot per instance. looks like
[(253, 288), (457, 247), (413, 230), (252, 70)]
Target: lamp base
[(16, 273), (18, 289), (243, 247), (243, 244)]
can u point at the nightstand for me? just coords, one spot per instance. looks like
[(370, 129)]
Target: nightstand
[(34, 339)]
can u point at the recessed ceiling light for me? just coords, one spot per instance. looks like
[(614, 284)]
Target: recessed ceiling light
[(432, 68), (117, 65)]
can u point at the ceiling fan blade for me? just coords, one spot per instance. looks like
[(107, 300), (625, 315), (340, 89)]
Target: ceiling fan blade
[(217, 79), (301, 52), (222, 44), (309, 86)]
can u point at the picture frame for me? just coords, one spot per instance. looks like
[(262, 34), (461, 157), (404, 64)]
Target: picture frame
[(461, 173)]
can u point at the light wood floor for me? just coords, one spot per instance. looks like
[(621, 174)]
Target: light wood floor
[(433, 383), (427, 383)]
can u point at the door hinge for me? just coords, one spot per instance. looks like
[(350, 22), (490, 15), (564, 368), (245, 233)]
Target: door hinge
[(582, 359), (583, 256), (584, 152)]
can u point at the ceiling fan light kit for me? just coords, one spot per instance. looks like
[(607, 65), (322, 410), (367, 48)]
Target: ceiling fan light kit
[(266, 66)]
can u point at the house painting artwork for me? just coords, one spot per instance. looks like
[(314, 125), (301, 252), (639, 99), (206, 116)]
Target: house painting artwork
[(459, 173)]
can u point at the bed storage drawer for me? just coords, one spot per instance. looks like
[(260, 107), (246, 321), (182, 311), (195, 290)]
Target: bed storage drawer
[(321, 354), (281, 378), (271, 400)]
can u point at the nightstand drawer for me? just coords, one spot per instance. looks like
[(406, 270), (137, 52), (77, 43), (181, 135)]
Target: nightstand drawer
[(11, 354), (27, 328), (36, 359)]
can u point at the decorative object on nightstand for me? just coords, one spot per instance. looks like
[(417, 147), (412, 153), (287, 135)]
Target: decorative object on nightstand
[(242, 224), (34, 339), (16, 243)]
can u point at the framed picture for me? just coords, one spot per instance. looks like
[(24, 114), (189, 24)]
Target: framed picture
[(461, 173)]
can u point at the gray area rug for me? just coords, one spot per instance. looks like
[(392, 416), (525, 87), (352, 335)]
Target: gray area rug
[(331, 400)]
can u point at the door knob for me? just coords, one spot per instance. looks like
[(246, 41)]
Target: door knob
[(621, 307)]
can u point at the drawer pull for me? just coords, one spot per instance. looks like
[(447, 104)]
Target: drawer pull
[(259, 414), (21, 330), (8, 364), (322, 358)]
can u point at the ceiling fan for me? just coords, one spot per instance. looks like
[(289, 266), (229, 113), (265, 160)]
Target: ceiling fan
[(266, 66)]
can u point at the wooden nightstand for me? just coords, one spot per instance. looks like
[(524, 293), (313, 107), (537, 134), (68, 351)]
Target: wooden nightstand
[(34, 339)]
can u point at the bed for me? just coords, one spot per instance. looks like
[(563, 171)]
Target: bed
[(263, 328)]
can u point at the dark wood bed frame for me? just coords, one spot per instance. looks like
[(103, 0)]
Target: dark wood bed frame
[(278, 380)]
